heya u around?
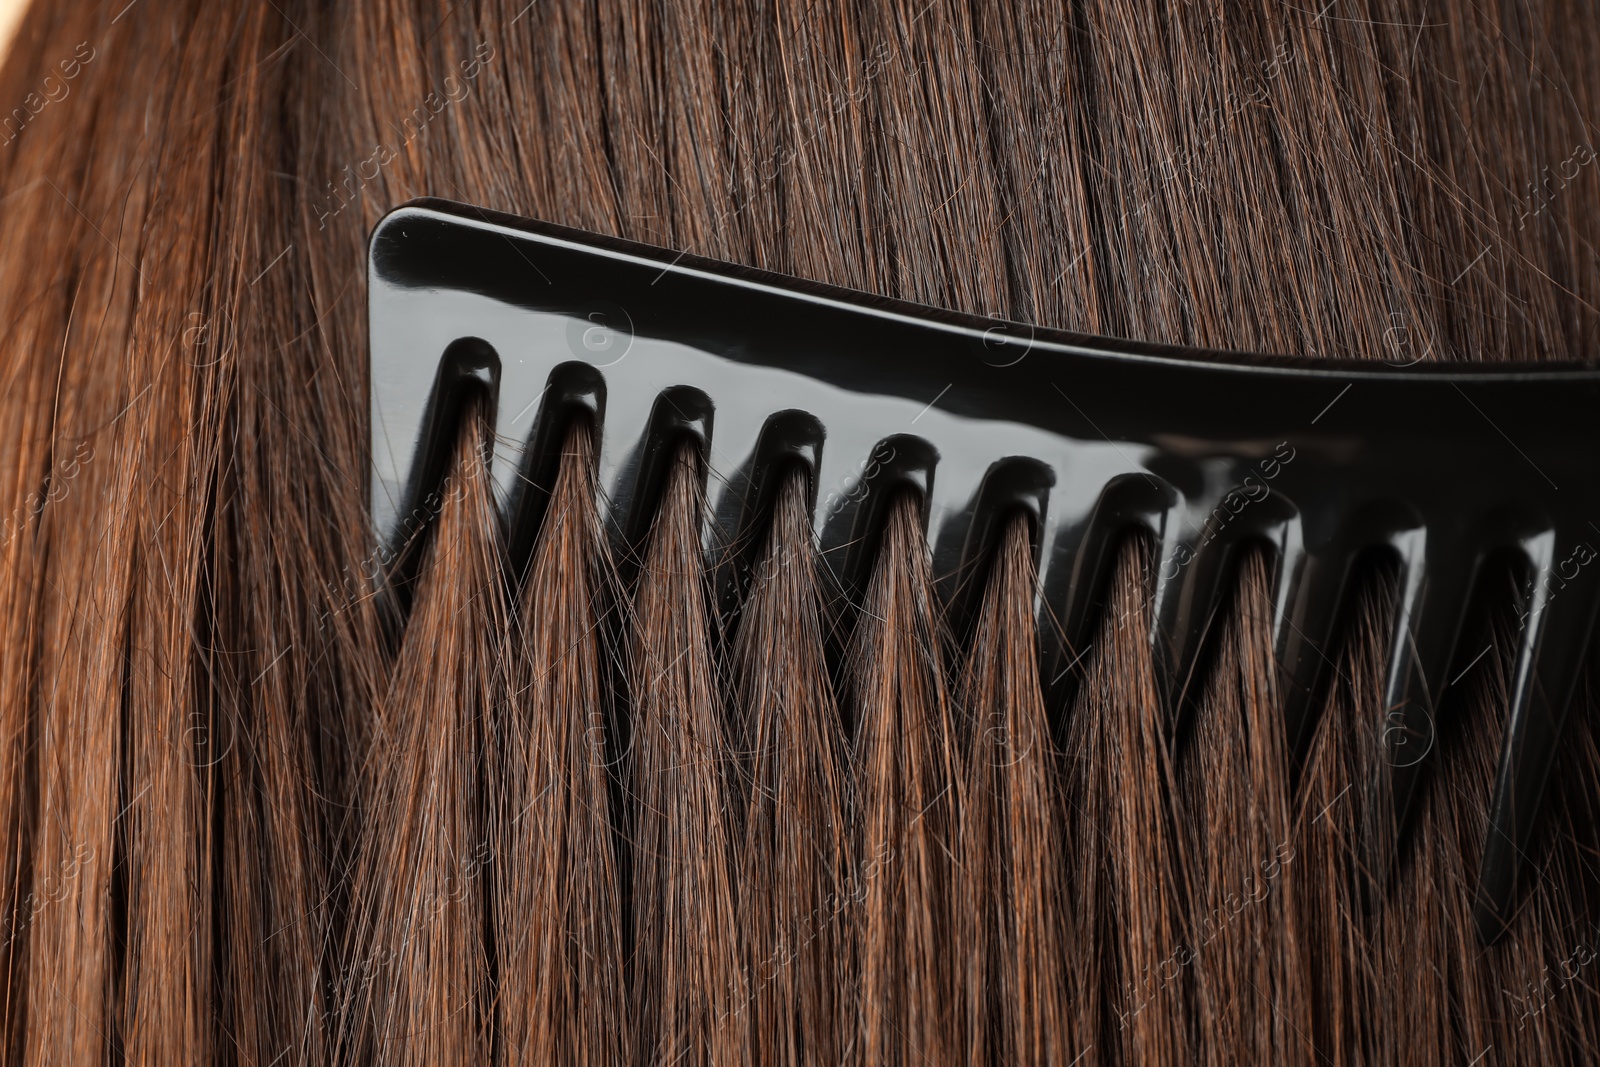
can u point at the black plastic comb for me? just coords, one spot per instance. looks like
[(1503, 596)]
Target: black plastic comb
[(1323, 461)]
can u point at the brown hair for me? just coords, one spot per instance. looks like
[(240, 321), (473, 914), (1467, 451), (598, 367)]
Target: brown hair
[(558, 925), (250, 811), (796, 882)]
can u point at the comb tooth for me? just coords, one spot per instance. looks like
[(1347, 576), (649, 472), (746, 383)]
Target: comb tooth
[(1013, 486), (573, 390), (469, 366), (1186, 601), (1126, 504), (1310, 590), (788, 440), (1551, 650), (900, 463), (1196, 576), (1435, 585)]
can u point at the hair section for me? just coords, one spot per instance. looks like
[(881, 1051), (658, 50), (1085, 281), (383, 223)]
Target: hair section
[(688, 966), (414, 981), (1015, 903), (795, 884), (558, 928), (906, 999)]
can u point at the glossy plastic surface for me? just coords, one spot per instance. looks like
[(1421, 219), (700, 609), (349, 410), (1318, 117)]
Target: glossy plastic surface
[(1205, 452)]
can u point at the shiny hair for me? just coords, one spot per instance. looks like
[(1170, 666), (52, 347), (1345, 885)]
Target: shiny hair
[(250, 812)]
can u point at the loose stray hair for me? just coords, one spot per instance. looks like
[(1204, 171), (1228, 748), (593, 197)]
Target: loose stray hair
[(250, 812)]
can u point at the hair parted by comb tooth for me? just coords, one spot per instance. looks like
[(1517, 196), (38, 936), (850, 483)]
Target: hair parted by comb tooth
[(687, 966), (908, 1007), (1553, 1003), (1015, 903), (1252, 994), (1411, 912), (413, 978), (1332, 883), (1447, 843), (1130, 884), (558, 907), (229, 810), (794, 859), (1529, 999)]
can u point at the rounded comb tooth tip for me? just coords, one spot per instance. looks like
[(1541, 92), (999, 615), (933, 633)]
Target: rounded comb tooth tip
[(679, 413), (1128, 504), (789, 440), (901, 463), (468, 369), (573, 391), (1557, 621), (1016, 485)]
